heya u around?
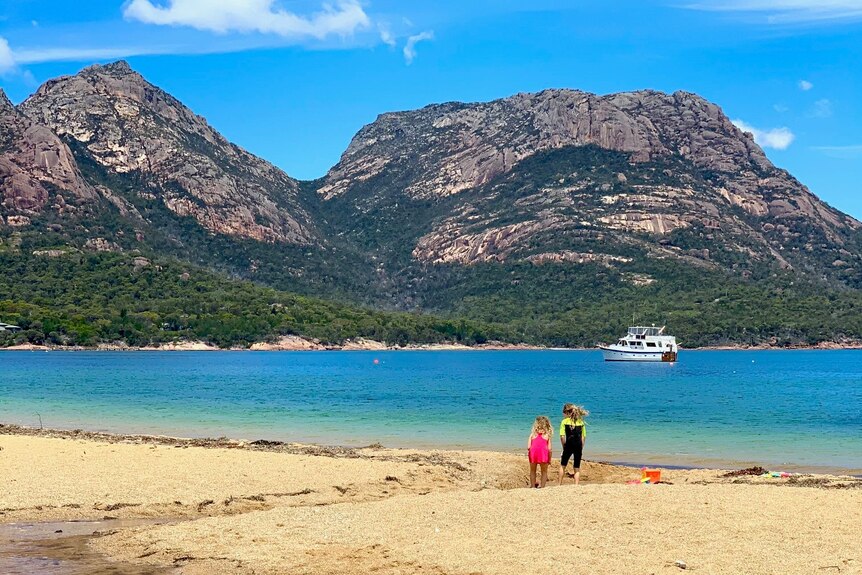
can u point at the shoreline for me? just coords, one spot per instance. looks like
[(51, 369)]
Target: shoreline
[(300, 344), (262, 444), (293, 344)]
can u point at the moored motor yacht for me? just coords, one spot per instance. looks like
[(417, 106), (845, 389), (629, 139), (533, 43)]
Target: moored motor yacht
[(642, 344)]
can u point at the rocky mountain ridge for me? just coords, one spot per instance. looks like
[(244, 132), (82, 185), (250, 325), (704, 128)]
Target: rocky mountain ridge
[(625, 182), (682, 166), (126, 126)]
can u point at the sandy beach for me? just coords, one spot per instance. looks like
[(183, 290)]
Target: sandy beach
[(270, 508)]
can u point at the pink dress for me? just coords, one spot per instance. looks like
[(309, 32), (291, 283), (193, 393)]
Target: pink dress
[(539, 452)]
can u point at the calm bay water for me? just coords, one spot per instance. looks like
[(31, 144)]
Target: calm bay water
[(792, 410)]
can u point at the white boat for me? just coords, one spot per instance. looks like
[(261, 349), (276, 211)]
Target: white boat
[(642, 344)]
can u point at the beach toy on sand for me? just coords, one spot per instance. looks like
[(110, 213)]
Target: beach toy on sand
[(650, 475)]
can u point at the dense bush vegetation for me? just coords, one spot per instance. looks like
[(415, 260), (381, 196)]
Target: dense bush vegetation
[(568, 305), (84, 299)]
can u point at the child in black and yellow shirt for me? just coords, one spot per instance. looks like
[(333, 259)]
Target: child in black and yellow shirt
[(573, 436)]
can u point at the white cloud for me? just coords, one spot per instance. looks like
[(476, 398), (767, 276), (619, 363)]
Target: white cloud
[(386, 35), (261, 16), (38, 55), (776, 138), (805, 85), (410, 47), (780, 108), (822, 108), (841, 152), (788, 11), (844, 152), (7, 59)]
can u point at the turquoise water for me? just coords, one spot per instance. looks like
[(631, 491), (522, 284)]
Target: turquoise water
[(790, 409)]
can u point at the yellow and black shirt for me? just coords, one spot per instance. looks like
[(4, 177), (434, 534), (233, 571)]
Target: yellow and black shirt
[(569, 429)]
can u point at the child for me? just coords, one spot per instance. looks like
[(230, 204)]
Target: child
[(573, 436), (539, 449)]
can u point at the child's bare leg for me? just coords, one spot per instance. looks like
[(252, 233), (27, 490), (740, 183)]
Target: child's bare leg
[(532, 474), (544, 474), (562, 473), (577, 475)]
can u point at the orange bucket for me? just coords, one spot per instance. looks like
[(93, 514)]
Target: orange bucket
[(654, 475)]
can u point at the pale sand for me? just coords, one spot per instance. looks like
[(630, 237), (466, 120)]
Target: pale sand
[(44, 478), (407, 512)]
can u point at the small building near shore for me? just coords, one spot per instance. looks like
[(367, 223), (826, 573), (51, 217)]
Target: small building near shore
[(9, 327)]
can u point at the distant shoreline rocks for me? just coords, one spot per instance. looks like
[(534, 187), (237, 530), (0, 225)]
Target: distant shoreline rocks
[(299, 343)]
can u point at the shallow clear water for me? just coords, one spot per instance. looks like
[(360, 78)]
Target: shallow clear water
[(796, 409), (60, 548)]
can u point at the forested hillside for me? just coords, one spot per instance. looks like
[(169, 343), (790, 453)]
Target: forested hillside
[(82, 299), (556, 218)]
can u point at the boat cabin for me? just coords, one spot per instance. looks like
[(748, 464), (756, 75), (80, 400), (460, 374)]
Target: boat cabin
[(641, 332), (644, 345), (646, 338)]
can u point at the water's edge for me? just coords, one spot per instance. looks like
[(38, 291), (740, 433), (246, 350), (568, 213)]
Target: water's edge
[(62, 548), (263, 444)]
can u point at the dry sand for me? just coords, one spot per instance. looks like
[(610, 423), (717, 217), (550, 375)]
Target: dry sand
[(272, 509)]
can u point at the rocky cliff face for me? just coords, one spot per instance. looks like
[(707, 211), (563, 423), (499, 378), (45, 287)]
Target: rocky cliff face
[(513, 180), (128, 127), (474, 143), (37, 171)]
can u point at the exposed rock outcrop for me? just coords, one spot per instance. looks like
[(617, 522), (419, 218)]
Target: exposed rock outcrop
[(289, 343), (130, 127), (476, 142), (37, 170), (686, 167)]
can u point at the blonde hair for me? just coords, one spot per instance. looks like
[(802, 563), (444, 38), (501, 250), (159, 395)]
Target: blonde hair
[(575, 411), (541, 425)]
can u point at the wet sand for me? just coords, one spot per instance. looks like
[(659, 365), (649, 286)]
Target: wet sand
[(269, 508), (63, 548)]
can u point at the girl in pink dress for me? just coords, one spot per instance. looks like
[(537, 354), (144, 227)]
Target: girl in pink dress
[(539, 449)]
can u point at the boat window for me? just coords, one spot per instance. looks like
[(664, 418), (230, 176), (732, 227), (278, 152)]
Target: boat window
[(650, 344)]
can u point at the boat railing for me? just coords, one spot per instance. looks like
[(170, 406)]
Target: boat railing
[(642, 331)]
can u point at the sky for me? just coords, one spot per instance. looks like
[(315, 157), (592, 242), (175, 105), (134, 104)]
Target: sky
[(293, 80)]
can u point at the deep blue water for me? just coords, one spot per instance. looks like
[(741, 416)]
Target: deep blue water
[(789, 409)]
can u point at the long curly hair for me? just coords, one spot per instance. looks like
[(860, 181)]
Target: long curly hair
[(541, 425)]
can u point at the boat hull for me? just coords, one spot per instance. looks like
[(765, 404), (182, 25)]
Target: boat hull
[(628, 355)]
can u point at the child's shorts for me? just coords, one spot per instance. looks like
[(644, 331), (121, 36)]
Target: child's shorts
[(575, 455)]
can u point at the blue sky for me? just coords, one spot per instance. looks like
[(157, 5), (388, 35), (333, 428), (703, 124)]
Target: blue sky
[(293, 80)]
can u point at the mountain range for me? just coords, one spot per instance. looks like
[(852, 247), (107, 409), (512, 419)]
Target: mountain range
[(554, 218)]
